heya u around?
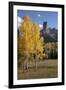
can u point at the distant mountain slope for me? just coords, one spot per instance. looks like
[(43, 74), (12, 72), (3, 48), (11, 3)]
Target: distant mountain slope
[(50, 35)]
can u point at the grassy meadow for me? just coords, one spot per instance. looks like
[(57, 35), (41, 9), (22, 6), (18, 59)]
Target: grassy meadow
[(45, 69)]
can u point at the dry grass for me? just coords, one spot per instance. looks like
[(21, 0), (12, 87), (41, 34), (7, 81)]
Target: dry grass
[(45, 69)]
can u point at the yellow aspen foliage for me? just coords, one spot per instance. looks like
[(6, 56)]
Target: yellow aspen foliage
[(26, 34), (38, 41), (29, 40)]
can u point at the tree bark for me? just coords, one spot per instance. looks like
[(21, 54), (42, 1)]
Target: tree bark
[(36, 63)]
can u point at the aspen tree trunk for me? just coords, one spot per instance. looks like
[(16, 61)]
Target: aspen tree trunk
[(23, 67), (27, 63), (36, 63)]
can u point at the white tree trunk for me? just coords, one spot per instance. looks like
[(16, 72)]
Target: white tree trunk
[(36, 63)]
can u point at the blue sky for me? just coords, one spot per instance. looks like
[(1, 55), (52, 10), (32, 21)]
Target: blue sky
[(41, 16)]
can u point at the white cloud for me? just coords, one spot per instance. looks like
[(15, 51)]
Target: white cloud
[(41, 26), (38, 15), (19, 21)]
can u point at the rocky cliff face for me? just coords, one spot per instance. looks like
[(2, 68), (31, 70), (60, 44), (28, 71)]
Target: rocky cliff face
[(49, 34)]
